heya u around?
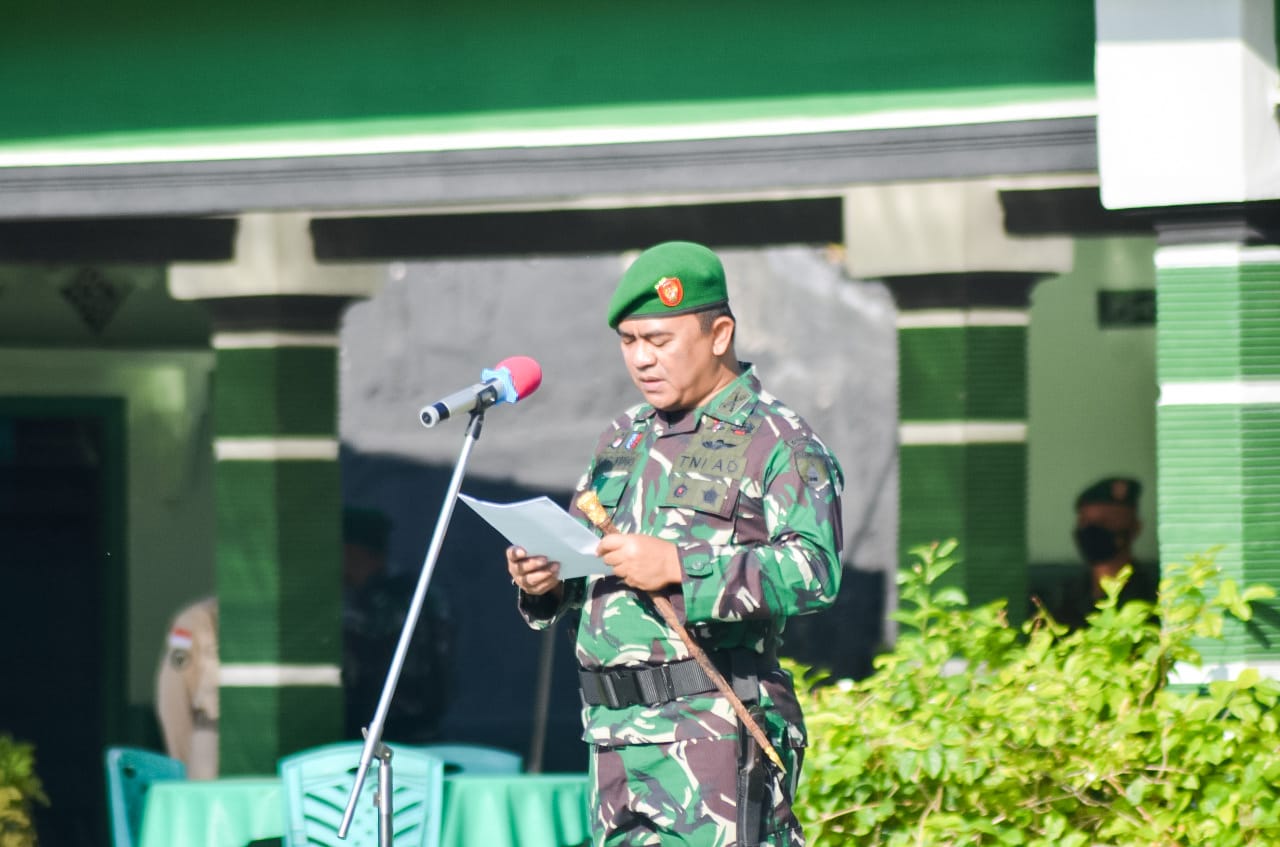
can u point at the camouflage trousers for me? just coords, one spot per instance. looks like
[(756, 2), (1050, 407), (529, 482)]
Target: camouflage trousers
[(685, 793)]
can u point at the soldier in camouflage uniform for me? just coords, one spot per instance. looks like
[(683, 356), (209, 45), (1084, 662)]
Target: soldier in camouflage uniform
[(727, 504)]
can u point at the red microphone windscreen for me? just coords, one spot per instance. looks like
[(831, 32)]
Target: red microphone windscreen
[(526, 374)]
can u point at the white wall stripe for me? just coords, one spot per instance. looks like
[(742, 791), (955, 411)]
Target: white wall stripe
[(1220, 393), (274, 449), (961, 432), (1214, 256), (622, 133), (276, 676), (245, 340), (940, 318), (1185, 674)]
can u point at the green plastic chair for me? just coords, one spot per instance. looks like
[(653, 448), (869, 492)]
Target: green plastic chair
[(476, 758), (317, 786), (130, 773)]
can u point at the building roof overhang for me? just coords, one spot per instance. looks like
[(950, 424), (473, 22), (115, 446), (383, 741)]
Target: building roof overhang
[(540, 160)]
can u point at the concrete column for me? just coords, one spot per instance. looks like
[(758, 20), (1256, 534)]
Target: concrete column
[(277, 485), (1218, 420), (962, 381), (961, 284)]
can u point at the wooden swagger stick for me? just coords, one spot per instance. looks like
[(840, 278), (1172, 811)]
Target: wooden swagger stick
[(590, 505)]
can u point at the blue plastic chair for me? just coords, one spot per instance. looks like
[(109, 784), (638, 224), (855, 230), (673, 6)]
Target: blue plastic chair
[(317, 786), (130, 773), (476, 758)]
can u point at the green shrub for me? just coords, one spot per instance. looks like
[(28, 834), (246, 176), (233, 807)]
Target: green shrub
[(19, 789), (973, 733)]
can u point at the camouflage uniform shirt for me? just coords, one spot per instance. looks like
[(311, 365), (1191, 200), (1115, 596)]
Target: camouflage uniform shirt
[(751, 498)]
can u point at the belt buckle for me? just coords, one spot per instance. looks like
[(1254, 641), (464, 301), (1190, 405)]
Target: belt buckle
[(621, 689)]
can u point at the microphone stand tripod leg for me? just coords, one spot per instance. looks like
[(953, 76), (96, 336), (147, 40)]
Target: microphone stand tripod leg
[(382, 799)]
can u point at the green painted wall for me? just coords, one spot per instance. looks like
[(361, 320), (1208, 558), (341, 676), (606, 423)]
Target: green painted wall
[(1092, 394), (103, 306), (83, 68), (112, 330), (169, 476)]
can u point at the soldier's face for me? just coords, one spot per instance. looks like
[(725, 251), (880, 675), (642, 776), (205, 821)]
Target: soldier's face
[(1105, 531), (673, 361), (1114, 517), (358, 564)]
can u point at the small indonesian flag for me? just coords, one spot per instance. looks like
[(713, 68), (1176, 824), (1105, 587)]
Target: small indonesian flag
[(179, 638)]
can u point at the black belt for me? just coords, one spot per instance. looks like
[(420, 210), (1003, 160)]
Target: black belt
[(618, 688)]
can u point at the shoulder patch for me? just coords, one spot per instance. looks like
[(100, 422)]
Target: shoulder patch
[(812, 463), (813, 470)]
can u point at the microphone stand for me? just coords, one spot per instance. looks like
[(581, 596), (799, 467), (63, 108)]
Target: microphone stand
[(373, 746)]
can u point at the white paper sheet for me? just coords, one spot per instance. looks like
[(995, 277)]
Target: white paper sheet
[(544, 529)]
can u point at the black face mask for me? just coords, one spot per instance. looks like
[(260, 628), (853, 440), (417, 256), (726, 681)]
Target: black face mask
[(1097, 543)]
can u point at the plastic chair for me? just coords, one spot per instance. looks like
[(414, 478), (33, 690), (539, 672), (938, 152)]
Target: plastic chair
[(317, 785), (130, 773), (475, 758)]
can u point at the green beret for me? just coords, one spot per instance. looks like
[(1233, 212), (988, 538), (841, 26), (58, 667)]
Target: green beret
[(672, 278), (1117, 490), (368, 528)]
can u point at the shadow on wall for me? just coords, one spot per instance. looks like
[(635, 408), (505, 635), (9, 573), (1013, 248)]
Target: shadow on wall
[(844, 639), (495, 657)]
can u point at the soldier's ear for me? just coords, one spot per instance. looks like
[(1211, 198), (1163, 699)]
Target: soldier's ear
[(721, 334)]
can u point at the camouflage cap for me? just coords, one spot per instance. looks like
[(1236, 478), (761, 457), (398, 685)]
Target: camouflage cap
[(672, 278), (1117, 490)]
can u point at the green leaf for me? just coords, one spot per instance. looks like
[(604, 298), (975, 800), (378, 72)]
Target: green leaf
[(933, 762), (950, 596), (1254, 593), (1136, 791)]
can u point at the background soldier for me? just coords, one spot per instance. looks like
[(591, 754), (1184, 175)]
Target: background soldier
[(375, 603), (1107, 524), (729, 506), (187, 689)]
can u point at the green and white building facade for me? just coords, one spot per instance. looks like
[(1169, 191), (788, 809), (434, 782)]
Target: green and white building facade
[(189, 202)]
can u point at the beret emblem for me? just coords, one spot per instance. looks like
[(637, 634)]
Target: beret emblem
[(670, 291)]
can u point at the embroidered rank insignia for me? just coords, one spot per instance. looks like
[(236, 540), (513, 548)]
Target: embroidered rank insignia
[(633, 440), (717, 443), (670, 291), (618, 441), (732, 404), (680, 491)]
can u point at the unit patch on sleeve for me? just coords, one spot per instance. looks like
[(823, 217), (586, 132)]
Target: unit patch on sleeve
[(812, 464)]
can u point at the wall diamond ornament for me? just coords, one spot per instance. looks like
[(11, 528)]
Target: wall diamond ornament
[(94, 297)]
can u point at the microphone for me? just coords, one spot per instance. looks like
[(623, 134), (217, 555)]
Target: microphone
[(512, 379)]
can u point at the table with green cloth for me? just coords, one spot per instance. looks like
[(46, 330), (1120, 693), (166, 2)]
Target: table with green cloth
[(480, 810)]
